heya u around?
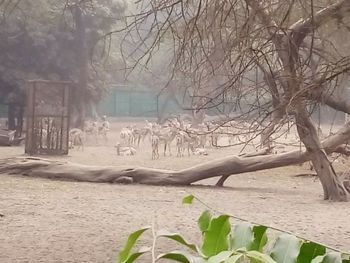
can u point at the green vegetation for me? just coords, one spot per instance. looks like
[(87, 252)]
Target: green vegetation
[(244, 242)]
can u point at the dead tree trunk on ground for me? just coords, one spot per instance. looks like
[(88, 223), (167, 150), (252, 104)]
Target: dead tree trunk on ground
[(37, 167)]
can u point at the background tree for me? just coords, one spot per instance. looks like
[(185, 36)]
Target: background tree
[(287, 41), (49, 40)]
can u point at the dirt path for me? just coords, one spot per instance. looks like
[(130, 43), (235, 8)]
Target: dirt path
[(50, 221), (53, 221)]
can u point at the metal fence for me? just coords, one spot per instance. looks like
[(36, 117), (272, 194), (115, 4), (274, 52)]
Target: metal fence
[(47, 117), (132, 102)]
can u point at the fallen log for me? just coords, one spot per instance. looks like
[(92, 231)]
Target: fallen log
[(44, 168)]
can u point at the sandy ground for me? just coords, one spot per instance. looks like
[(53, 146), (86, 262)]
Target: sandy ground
[(55, 221)]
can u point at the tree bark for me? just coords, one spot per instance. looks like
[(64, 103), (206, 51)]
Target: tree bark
[(37, 167), (83, 58), (11, 118), (333, 188)]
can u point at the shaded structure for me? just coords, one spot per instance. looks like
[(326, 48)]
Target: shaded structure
[(47, 117)]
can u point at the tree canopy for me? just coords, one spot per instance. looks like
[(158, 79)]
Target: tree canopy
[(39, 40), (294, 46)]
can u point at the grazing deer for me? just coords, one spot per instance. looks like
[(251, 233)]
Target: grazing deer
[(139, 134), (186, 140)]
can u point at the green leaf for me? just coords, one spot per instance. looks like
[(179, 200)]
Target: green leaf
[(333, 257), (204, 220), (180, 256), (260, 238), (221, 257), (233, 259), (188, 199), (317, 259), (133, 237), (243, 236), (259, 257), (178, 238), (175, 256), (345, 258), (286, 249), (216, 237), (132, 258), (309, 251)]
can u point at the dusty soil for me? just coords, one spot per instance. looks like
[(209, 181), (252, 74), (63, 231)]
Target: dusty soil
[(55, 221)]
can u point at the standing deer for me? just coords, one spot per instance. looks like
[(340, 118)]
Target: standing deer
[(155, 146), (167, 135), (104, 128), (127, 136), (179, 144), (76, 139)]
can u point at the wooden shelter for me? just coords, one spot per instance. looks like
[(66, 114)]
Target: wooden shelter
[(47, 117)]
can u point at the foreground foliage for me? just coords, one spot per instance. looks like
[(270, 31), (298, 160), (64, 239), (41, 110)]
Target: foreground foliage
[(222, 244)]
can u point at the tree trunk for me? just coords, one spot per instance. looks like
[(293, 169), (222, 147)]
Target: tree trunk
[(11, 117), (333, 188), (37, 167), (83, 58), (20, 115)]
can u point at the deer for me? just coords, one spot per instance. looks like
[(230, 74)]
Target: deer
[(166, 135), (180, 142), (127, 136), (76, 138), (214, 134), (125, 150), (186, 140), (91, 129), (155, 146), (104, 128)]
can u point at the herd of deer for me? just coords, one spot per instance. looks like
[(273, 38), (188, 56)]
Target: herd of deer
[(93, 130), (188, 140)]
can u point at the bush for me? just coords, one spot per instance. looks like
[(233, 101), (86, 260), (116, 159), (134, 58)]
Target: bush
[(244, 243)]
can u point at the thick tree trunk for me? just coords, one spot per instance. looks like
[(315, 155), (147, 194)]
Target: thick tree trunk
[(37, 167), (19, 128), (11, 118), (83, 58), (333, 188)]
